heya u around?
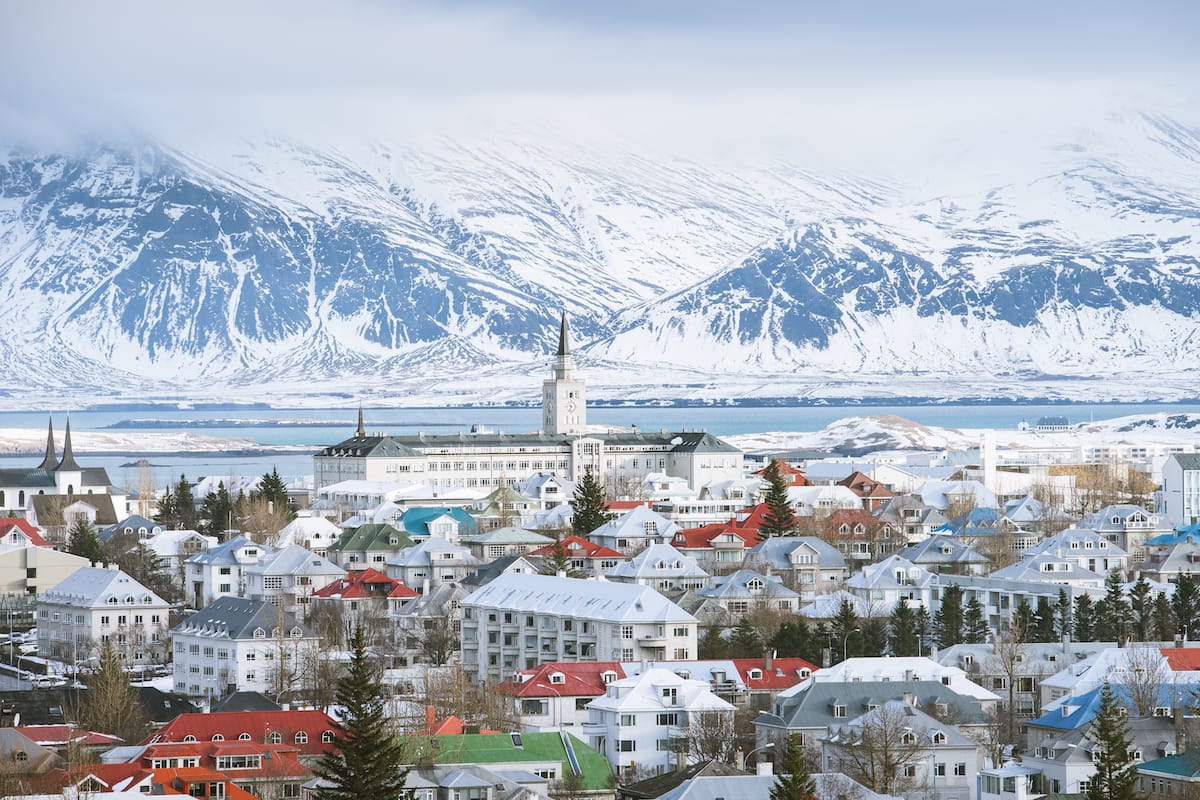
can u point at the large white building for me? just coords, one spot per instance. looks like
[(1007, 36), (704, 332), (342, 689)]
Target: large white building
[(564, 447), (56, 475), (641, 723), (1181, 488), (520, 621), (94, 605)]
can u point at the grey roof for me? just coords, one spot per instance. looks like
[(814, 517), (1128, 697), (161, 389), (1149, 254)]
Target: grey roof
[(940, 549), (1187, 460), (921, 724), (586, 599), (736, 586), (411, 446), (247, 701), (419, 554), (509, 535), (224, 552), (238, 618), (48, 508), (813, 708), (95, 587), (488, 572), (774, 552), (295, 560)]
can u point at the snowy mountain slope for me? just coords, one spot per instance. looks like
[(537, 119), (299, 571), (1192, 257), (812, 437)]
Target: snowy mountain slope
[(158, 270)]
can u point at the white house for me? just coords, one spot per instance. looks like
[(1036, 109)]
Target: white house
[(662, 567), (94, 605), (639, 722), (519, 621), (634, 530), (219, 571), (432, 562), (234, 644), (311, 533), (1181, 488), (1084, 548), (288, 577)]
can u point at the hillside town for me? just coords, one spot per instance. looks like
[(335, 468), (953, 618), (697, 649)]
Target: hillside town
[(585, 612)]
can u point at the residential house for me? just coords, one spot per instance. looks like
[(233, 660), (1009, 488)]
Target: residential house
[(361, 595), (662, 567), (555, 696), (1051, 569), (519, 621), (731, 597), (27, 758), (807, 564), (1174, 776), (1016, 678), (235, 644), (640, 721), (548, 489), (368, 545), (1181, 488), (449, 523), (134, 525), (501, 566), (311, 533), (1182, 558), (1010, 782), (821, 501), (432, 562), (288, 577), (220, 571), (588, 559), (916, 519), (309, 731), (719, 547), (94, 605), (427, 628), (1084, 548), (504, 508), (744, 682), (903, 670), (883, 584), (874, 493), (262, 768), (173, 548), (499, 542), (1129, 527), (635, 530), (939, 554), (943, 758)]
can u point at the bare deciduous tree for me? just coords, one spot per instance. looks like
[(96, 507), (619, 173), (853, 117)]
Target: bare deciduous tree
[(711, 736), (452, 691), (877, 750), (1144, 672)]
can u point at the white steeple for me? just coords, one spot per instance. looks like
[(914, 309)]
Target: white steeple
[(564, 396)]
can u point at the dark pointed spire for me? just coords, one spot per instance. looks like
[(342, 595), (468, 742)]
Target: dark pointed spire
[(68, 458), (50, 462), (564, 346), (362, 430)]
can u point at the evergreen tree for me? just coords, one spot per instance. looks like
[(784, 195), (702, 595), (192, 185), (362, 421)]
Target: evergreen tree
[(780, 518), (793, 773), (189, 518), (589, 509), (168, 510), (903, 637), (135, 559), (874, 636), (82, 540), (1116, 774), (1063, 626), (111, 705), (1084, 617), (272, 489), (1114, 622), (744, 642), (1185, 604), (1141, 606), (948, 620), (1022, 619), (217, 514), (1044, 622), (559, 560), (712, 645), (794, 639), (1164, 618), (844, 624), (924, 627), (368, 758), (975, 628)]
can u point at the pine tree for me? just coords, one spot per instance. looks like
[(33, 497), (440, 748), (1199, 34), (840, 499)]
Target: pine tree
[(1141, 606), (1185, 604), (168, 510), (111, 705), (975, 628), (589, 509), (793, 773), (744, 642), (1084, 617), (368, 758), (1022, 619), (924, 627), (1114, 622), (559, 560), (794, 639), (217, 513), (1164, 618), (903, 638), (712, 645), (948, 620), (845, 623), (271, 487), (1063, 625), (1116, 775), (189, 518), (1043, 621), (82, 541), (780, 518)]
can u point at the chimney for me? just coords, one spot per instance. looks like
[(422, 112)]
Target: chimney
[(425, 586), (430, 719), (768, 660), (910, 699), (764, 767)]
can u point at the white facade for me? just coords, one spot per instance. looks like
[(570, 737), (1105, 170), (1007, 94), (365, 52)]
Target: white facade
[(1181, 488), (220, 571), (638, 721), (94, 605), (520, 621)]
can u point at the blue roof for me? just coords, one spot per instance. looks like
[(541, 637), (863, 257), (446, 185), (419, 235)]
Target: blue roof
[(1180, 536), (1078, 710), (978, 521), (415, 521)]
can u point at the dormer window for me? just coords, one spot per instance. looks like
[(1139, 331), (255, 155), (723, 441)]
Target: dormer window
[(754, 585), (939, 738), (608, 676), (557, 677), (908, 738), (756, 674), (259, 633), (243, 737), (217, 737)]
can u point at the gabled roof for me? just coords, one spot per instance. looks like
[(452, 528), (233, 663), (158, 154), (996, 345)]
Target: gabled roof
[(416, 520), (232, 618), (940, 549), (96, 587), (659, 561), (226, 552), (421, 554), (599, 600), (659, 785), (49, 508), (578, 547), (488, 572), (775, 552), (257, 724), (793, 476), (509, 535), (865, 487), (738, 585), (61, 735), (22, 526), (702, 537), (372, 537), (632, 525), (365, 583), (583, 679)]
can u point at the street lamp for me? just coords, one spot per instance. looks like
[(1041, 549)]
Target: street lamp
[(846, 642), (560, 710), (746, 758)]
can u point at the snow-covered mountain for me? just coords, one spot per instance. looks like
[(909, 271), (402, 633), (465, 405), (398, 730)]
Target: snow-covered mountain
[(151, 271)]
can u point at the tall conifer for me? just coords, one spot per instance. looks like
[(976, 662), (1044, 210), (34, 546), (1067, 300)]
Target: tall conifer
[(1116, 774), (589, 506), (780, 519)]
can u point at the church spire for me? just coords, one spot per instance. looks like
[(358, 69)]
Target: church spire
[(50, 462), (564, 346), (68, 457), (362, 430)]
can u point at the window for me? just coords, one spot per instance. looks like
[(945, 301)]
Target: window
[(939, 769), (301, 737), (274, 738), (670, 718), (626, 746), (626, 631), (839, 710), (960, 769), (327, 736), (218, 737), (628, 720)]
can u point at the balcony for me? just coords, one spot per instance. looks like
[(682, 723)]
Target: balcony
[(653, 640), (594, 729)]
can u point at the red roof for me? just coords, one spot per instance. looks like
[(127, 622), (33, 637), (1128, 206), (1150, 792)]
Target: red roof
[(578, 547), (127, 776), (782, 674), (35, 536), (1181, 659), (793, 476), (695, 538), (864, 486), (625, 505), (578, 680), (852, 517), (356, 586), (179, 779), (60, 735), (283, 761), (259, 725)]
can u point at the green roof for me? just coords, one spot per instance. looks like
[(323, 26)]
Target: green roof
[(498, 748), (1181, 766), (373, 536)]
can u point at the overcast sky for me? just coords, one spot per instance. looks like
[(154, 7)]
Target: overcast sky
[(727, 73)]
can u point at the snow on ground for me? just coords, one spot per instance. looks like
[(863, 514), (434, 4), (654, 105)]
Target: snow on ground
[(30, 440)]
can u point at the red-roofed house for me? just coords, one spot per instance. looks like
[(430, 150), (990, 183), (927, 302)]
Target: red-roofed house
[(1182, 659), (311, 732), (721, 545), (792, 476), (267, 770), (556, 695), (198, 782), (16, 532), (59, 737), (873, 493), (861, 536), (95, 778), (588, 558)]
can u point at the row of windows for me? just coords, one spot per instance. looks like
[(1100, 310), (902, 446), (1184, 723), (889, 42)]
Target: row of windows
[(274, 737)]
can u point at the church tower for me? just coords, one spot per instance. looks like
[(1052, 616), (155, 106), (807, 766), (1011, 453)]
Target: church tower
[(564, 408)]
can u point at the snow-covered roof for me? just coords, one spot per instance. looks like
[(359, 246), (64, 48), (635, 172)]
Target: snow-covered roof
[(574, 597), (644, 692), (658, 561)]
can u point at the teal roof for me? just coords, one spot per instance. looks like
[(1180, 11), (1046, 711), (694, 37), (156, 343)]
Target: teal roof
[(416, 520), (1181, 766)]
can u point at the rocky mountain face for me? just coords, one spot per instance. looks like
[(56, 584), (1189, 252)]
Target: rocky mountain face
[(143, 269)]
